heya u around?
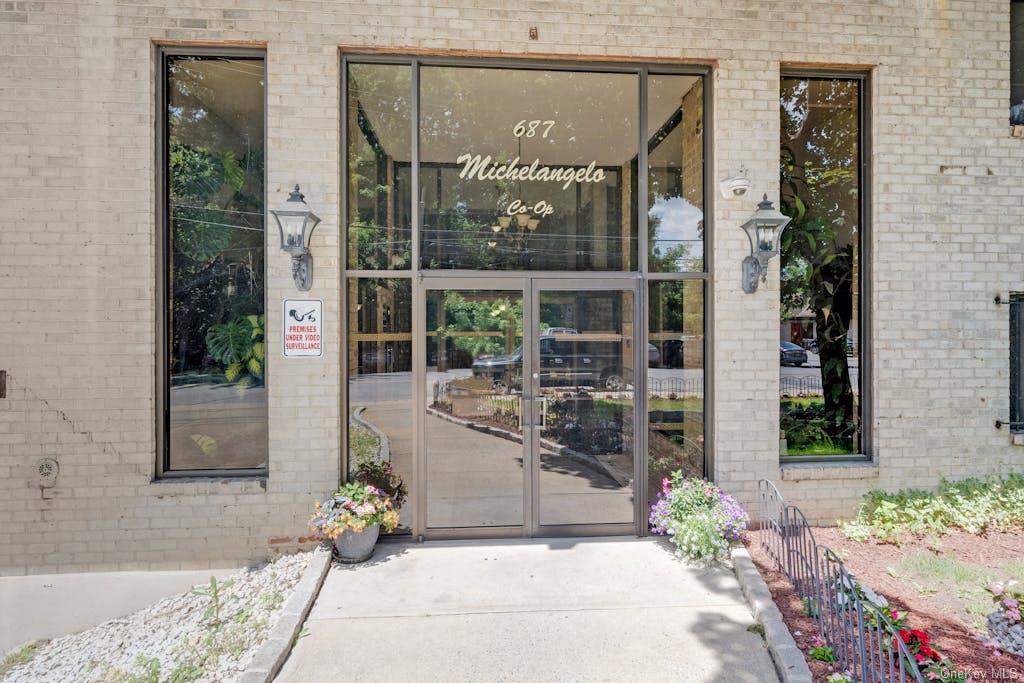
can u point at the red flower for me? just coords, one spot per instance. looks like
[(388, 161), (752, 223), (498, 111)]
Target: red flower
[(921, 636), (930, 653)]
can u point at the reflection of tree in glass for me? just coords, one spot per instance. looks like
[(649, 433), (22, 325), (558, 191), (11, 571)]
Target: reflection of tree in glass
[(379, 115), (495, 314), (819, 175), (216, 190)]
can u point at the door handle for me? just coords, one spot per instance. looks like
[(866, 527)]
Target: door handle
[(534, 412)]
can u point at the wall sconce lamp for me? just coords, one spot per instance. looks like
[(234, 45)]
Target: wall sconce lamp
[(296, 223), (764, 230)]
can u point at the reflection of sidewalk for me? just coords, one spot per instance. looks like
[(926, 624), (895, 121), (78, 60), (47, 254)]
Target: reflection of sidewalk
[(610, 609), (604, 464), (475, 478)]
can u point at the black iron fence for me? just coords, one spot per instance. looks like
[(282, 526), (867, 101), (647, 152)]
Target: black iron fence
[(800, 386), (850, 617)]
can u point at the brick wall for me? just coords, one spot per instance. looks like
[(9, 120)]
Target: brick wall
[(76, 281)]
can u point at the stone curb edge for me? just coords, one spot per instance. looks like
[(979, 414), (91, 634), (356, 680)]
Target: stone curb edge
[(788, 659), (270, 656)]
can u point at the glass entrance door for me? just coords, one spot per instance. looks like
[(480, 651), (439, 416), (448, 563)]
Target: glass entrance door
[(583, 391), (528, 422)]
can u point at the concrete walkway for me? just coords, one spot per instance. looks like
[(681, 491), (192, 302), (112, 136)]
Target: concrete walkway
[(529, 610)]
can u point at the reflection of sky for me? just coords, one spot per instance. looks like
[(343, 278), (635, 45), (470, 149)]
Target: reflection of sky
[(678, 219)]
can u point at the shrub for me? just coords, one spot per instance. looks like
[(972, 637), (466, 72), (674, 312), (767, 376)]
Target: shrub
[(699, 517), (238, 345), (973, 505), (355, 506)]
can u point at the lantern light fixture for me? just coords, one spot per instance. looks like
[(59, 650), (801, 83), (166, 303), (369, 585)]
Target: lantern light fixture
[(296, 222), (764, 230)]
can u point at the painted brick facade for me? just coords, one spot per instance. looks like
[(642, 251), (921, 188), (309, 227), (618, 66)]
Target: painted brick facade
[(77, 302)]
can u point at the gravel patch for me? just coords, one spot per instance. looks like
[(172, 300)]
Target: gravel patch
[(1009, 635), (207, 634)]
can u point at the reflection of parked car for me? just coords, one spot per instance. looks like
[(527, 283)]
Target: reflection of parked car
[(562, 362), (562, 330), (791, 354), (812, 345)]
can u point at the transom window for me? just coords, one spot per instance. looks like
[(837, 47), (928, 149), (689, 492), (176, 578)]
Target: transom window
[(523, 169)]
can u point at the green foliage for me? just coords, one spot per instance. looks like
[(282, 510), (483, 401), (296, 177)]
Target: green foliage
[(147, 670), (363, 444), (213, 591), (972, 505), (807, 430), (238, 345), (21, 656), (495, 315), (271, 600), (822, 653)]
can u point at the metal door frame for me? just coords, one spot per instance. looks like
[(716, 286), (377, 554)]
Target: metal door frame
[(529, 285)]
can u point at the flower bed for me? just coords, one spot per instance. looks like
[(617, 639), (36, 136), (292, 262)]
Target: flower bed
[(938, 586)]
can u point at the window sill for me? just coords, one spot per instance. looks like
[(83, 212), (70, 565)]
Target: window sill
[(819, 470), (1017, 438), (210, 484), (1017, 131)]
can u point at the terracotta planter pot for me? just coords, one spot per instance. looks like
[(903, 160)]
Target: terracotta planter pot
[(357, 546)]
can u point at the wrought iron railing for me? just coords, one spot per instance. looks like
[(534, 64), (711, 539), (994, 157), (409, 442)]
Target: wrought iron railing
[(809, 385), (864, 641)]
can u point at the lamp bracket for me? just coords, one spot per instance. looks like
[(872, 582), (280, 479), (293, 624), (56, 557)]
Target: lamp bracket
[(302, 271), (753, 271)]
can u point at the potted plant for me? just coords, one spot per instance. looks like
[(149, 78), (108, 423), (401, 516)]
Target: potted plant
[(380, 473), (352, 519)]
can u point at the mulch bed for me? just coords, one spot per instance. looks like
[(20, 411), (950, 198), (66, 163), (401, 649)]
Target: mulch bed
[(934, 613)]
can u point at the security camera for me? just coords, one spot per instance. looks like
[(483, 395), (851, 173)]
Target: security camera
[(735, 186)]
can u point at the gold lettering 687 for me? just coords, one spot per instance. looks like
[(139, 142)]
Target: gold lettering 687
[(529, 128)]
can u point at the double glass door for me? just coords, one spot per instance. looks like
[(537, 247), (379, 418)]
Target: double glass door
[(529, 415)]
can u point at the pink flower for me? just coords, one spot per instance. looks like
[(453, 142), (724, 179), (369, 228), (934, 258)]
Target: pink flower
[(996, 587), (666, 485), (1011, 603)]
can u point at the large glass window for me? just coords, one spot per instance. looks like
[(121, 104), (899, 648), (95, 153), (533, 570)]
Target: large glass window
[(675, 380), (1017, 63), (517, 167), (525, 169), (820, 343), (379, 166), (380, 378), (675, 173), (214, 351)]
